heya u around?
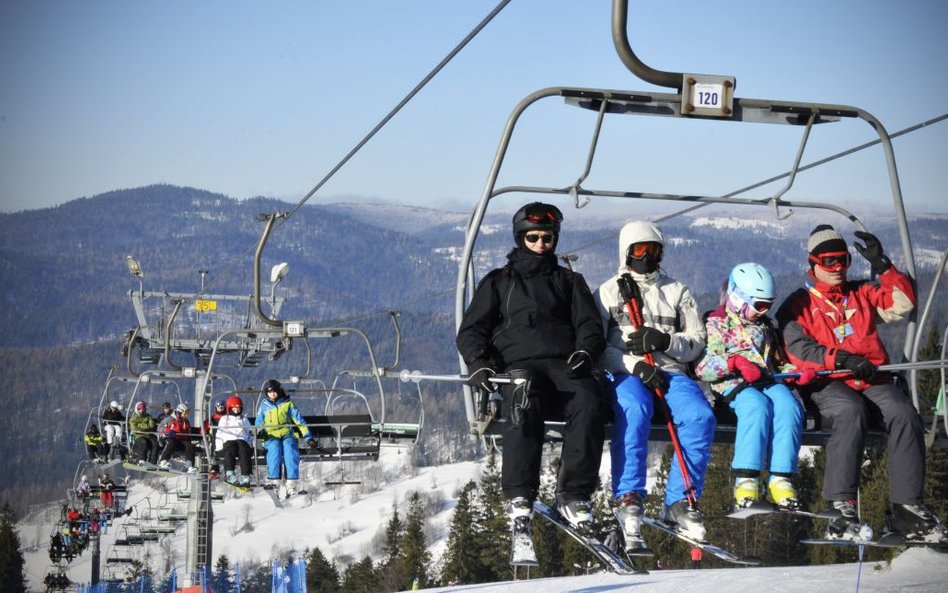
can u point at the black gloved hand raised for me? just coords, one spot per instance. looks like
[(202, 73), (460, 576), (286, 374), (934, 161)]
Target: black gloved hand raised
[(860, 367), (648, 339), (872, 251), (479, 379), (580, 364), (653, 377)]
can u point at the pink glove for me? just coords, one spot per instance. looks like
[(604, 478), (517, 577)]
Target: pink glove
[(806, 377), (748, 370)]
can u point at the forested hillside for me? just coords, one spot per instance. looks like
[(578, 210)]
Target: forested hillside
[(66, 309)]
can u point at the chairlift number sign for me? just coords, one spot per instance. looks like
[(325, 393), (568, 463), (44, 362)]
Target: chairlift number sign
[(205, 306), (707, 95)]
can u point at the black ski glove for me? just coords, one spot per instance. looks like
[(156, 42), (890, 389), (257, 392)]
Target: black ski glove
[(580, 364), (653, 377), (648, 339), (860, 367), (872, 251), (479, 378), (262, 435)]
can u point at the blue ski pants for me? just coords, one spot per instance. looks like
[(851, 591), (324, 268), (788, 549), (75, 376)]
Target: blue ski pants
[(285, 451), (694, 422), (769, 423)]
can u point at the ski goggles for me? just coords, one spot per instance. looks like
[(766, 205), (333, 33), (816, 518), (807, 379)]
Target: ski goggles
[(832, 262), (544, 214), (534, 237), (763, 306), (640, 250)]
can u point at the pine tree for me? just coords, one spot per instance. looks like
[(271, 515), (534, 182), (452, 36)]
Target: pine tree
[(936, 460), (413, 556), (221, 579), (495, 527), (11, 558), (387, 572), (461, 557), (360, 577), (321, 574)]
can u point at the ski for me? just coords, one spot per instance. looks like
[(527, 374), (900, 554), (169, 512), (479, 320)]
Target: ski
[(707, 547), (245, 488), (154, 469), (761, 508), (521, 547), (887, 540), (609, 558)]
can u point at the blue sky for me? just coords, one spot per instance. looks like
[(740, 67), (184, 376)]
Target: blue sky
[(254, 99)]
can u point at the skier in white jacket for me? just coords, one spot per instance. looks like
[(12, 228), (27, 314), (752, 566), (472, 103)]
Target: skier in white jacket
[(672, 335)]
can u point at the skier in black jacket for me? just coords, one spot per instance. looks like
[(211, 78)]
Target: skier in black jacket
[(536, 316)]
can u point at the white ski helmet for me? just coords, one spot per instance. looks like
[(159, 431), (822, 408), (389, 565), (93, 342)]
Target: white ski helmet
[(181, 409), (752, 285), (113, 404)]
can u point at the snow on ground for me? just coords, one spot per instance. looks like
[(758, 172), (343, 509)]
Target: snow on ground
[(917, 570)]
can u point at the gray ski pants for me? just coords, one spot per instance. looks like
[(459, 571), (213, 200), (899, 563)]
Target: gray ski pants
[(850, 411)]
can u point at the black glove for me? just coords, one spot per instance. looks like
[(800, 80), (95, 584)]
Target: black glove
[(648, 339), (859, 366), (580, 364), (313, 443), (479, 378), (872, 251), (262, 435), (653, 377)]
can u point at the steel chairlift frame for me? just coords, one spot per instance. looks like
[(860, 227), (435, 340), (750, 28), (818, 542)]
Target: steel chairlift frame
[(661, 104)]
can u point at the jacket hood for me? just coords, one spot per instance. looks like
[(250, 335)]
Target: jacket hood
[(639, 231)]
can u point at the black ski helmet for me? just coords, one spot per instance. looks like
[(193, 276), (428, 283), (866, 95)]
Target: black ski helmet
[(537, 216), (275, 386)]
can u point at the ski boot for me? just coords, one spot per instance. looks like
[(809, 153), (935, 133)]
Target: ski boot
[(164, 464), (230, 477), (782, 493), (746, 492), (193, 469), (628, 512), (686, 517), (292, 487), (846, 526), (244, 480), (917, 524), (578, 512)]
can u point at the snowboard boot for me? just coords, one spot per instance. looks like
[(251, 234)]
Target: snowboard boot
[(746, 492), (629, 511), (782, 493), (578, 512), (686, 517), (231, 477), (244, 480), (846, 526), (917, 523)]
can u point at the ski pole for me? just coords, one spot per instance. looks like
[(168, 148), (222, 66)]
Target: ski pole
[(406, 376), (629, 291), (902, 366)]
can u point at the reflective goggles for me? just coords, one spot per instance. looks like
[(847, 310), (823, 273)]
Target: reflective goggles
[(832, 262), (640, 250), (763, 306), (544, 215), (534, 237)]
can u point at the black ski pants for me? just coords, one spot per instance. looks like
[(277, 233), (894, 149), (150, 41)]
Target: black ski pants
[(174, 445), (146, 447), (234, 450), (557, 396), (850, 412)]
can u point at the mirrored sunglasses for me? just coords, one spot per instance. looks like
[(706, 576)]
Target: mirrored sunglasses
[(534, 237)]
